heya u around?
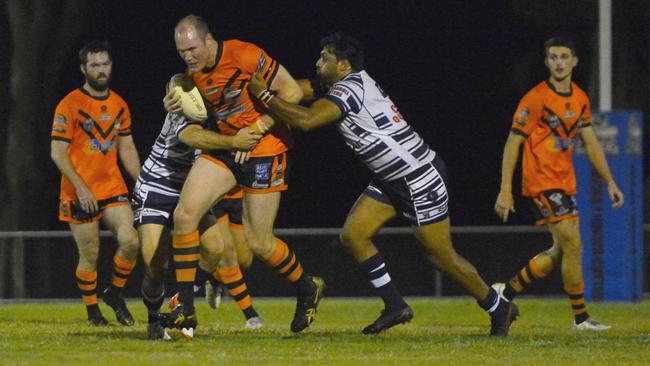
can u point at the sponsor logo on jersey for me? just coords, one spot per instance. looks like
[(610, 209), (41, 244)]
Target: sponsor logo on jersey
[(569, 114), (210, 91), (60, 119), (228, 93), (153, 212), (59, 129), (105, 117)]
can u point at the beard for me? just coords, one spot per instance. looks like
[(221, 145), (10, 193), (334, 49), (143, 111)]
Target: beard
[(98, 85)]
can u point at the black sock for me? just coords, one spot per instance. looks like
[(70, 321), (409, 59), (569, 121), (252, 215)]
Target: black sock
[(492, 302), (153, 305), (304, 285), (375, 269), (201, 276), (509, 292), (250, 312)]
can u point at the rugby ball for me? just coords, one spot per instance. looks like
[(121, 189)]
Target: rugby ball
[(191, 100)]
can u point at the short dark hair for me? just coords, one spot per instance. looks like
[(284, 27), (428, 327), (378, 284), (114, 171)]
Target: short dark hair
[(94, 47), (559, 41), (201, 26), (345, 47)]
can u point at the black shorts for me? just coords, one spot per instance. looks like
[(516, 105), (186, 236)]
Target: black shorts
[(151, 207), (232, 207), (553, 206), (257, 175), (69, 211), (420, 197)]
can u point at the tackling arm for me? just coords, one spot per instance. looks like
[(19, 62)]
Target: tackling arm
[(505, 203), (59, 154), (200, 138), (320, 113), (129, 156), (597, 159), (286, 88)]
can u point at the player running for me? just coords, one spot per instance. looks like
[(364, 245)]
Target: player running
[(409, 177), (220, 70), (156, 195)]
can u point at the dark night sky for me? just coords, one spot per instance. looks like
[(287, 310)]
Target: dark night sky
[(456, 70)]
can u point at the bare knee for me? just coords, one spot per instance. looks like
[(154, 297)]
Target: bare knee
[(88, 254), (128, 242), (259, 243), (185, 221)]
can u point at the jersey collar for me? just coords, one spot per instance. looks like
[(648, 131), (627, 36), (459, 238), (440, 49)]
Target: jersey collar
[(81, 88), (552, 87), (217, 58)]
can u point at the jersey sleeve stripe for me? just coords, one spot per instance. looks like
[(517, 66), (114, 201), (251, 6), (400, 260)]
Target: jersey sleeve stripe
[(59, 138), (518, 132)]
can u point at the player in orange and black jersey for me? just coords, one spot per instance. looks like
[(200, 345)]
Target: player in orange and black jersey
[(92, 126), (221, 71), (548, 121)]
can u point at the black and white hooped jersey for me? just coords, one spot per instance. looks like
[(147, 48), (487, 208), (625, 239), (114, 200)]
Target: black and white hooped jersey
[(170, 160), (375, 130)]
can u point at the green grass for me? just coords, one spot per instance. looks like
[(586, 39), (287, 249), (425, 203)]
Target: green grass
[(443, 332)]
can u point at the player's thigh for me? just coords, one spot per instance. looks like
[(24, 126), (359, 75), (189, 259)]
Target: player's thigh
[(566, 234), (436, 238), (119, 220), (149, 235), (86, 237), (260, 210), (365, 218), (206, 183)]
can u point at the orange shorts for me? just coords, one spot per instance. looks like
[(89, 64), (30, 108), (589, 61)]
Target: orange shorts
[(554, 206), (69, 211)]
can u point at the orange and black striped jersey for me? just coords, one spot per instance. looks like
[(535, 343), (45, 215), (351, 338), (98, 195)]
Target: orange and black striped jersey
[(550, 121), (91, 126), (224, 88)]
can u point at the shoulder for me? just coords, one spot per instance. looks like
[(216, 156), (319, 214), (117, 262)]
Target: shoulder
[(72, 97), (579, 92), (236, 47), (116, 98)]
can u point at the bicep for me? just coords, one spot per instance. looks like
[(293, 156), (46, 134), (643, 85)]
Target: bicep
[(307, 89), (126, 142), (588, 136), (286, 86), (324, 112)]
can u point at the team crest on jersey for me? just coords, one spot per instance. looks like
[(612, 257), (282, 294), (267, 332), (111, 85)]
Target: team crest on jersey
[(103, 108), (262, 171), (553, 122), (88, 125)]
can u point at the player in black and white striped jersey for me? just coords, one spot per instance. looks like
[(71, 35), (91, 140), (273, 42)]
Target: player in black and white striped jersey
[(156, 195), (409, 177)]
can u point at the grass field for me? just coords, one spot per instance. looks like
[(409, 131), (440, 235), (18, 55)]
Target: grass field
[(443, 332)]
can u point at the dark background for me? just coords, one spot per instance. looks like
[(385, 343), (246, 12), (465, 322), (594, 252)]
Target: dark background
[(456, 70)]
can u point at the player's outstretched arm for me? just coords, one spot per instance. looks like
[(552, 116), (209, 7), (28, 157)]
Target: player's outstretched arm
[(597, 159), (129, 156), (59, 154), (320, 113), (505, 203)]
